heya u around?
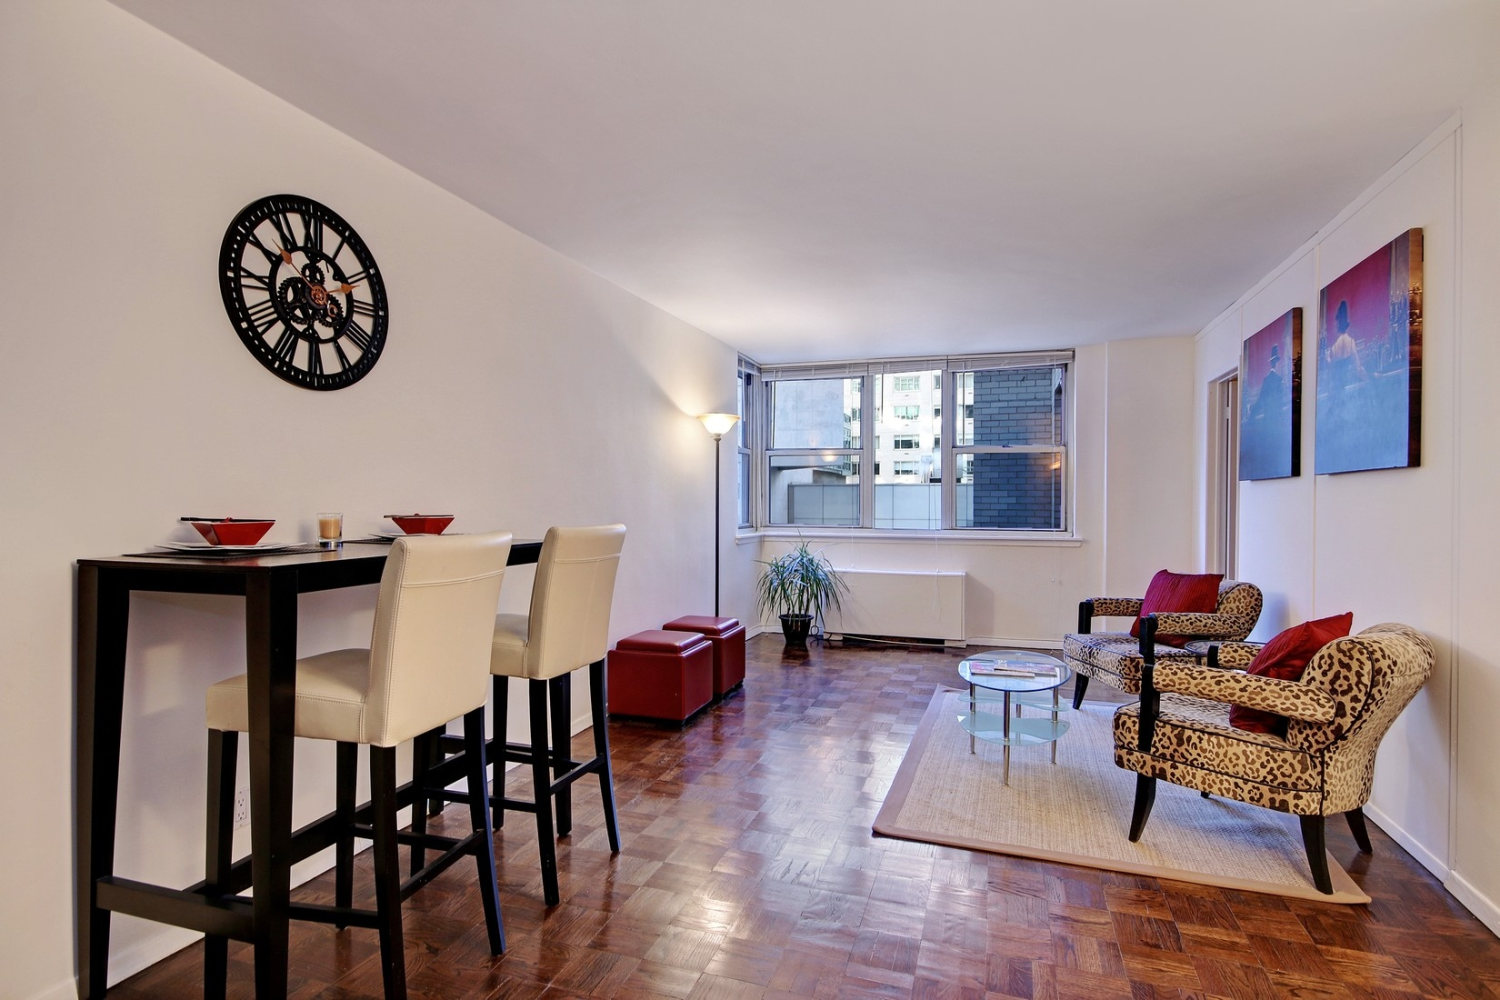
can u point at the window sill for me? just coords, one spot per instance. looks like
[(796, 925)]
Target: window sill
[(957, 536)]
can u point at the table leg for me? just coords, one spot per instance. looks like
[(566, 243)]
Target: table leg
[(271, 677), (1006, 716), (973, 716), (1054, 725), (103, 619)]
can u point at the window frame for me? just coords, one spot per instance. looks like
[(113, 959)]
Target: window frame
[(948, 407)]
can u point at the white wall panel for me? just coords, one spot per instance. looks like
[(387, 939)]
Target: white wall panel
[(517, 390)]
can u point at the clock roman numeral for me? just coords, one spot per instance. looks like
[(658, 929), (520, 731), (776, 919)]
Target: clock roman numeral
[(286, 345), (262, 315), (359, 307), (344, 361), (314, 358), (358, 277), (312, 228), (272, 257), (282, 223), (358, 335), (249, 279)]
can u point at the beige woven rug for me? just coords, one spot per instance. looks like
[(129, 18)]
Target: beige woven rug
[(1078, 811)]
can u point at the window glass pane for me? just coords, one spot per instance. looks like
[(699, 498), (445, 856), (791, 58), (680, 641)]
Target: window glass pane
[(814, 489), (1009, 406), (816, 413), (908, 466), (1017, 490)]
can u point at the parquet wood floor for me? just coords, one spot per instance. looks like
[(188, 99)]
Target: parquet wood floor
[(749, 873)]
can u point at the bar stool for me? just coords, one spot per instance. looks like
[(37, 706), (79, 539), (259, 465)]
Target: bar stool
[(426, 665), (567, 629)]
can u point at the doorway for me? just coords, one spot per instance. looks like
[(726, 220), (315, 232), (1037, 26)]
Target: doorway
[(1222, 544)]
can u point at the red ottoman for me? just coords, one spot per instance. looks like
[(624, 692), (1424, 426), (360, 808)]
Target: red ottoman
[(661, 675), (728, 638)]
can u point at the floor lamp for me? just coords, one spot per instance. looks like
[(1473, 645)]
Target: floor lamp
[(718, 425)]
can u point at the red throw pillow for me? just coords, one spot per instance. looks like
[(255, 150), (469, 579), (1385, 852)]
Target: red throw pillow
[(1179, 592), (1284, 658)]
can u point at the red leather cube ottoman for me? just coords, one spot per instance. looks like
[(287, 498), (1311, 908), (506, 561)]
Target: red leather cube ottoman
[(728, 638), (661, 675)]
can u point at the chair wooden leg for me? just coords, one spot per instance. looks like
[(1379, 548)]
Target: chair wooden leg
[(219, 853), (541, 782), (1145, 798), (1080, 685), (501, 687), (479, 823), (598, 701), (1317, 852), (422, 749), (346, 775), (387, 871), (560, 697), (1356, 818)]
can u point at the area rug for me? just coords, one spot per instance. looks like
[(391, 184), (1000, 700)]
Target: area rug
[(1078, 810)]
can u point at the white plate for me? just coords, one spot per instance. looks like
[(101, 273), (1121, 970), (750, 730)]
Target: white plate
[(205, 547)]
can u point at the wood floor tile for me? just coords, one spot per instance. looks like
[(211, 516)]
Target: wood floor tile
[(749, 872)]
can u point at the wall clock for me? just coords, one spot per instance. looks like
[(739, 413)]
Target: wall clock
[(303, 292)]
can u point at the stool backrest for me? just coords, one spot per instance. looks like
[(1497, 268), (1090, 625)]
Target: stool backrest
[(571, 599), (434, 622)]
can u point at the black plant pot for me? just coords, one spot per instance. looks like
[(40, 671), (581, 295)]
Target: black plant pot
[(796, 628)]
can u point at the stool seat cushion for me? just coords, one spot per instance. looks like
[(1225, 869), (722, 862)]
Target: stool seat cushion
[(331, 698), (706, 624), (663, 641)]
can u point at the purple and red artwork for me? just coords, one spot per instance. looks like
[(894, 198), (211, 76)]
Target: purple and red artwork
[(1271, 400), (1369, 389)]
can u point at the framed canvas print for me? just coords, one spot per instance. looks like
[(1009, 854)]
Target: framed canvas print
[(1271, 400), (1369, 410)]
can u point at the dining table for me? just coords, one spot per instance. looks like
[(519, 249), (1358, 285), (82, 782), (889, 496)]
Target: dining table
[(270, 584)]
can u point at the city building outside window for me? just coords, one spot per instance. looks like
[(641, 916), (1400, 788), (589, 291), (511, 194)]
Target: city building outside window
[(1005, 466)]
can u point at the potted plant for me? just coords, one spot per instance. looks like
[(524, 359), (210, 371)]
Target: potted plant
[(798, 585)]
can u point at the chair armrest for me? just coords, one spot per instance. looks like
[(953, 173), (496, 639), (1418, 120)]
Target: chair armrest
[(1115, 607), (1292, 699), (1198, 625), (1233, 655)]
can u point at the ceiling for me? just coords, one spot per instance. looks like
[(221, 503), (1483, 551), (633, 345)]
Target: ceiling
[(828, 179)]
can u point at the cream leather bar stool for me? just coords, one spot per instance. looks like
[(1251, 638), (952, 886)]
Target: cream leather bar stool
[(567, 629), (426, 665)]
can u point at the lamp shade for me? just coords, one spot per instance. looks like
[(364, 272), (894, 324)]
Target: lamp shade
[(718, 424)]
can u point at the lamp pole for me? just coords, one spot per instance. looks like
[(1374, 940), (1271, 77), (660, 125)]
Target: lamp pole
[(718, 424)]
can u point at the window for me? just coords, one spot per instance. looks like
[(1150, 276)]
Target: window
[(814, 451), (745, 431), (1010, 455), (839, 450)]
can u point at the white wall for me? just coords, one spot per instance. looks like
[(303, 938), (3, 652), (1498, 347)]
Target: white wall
[(1412, 545), (1133, 466), (517, 390)]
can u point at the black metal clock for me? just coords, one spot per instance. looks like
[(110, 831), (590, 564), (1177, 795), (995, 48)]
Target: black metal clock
[(303, 292)]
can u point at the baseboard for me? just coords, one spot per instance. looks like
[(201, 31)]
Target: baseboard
[(1412, 846), (1477, 903), (1047, 642), (65, 990)]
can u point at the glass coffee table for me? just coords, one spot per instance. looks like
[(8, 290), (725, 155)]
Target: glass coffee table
[(1020, 677)]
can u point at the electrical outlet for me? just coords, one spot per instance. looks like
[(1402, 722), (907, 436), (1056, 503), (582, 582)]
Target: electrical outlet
[(241, 807)]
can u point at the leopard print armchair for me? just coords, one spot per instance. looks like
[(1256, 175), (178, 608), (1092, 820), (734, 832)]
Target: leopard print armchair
[(1338, 712), (1116, 657)]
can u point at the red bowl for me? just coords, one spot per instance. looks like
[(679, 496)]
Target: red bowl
[(422, 524), (229, 531)]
